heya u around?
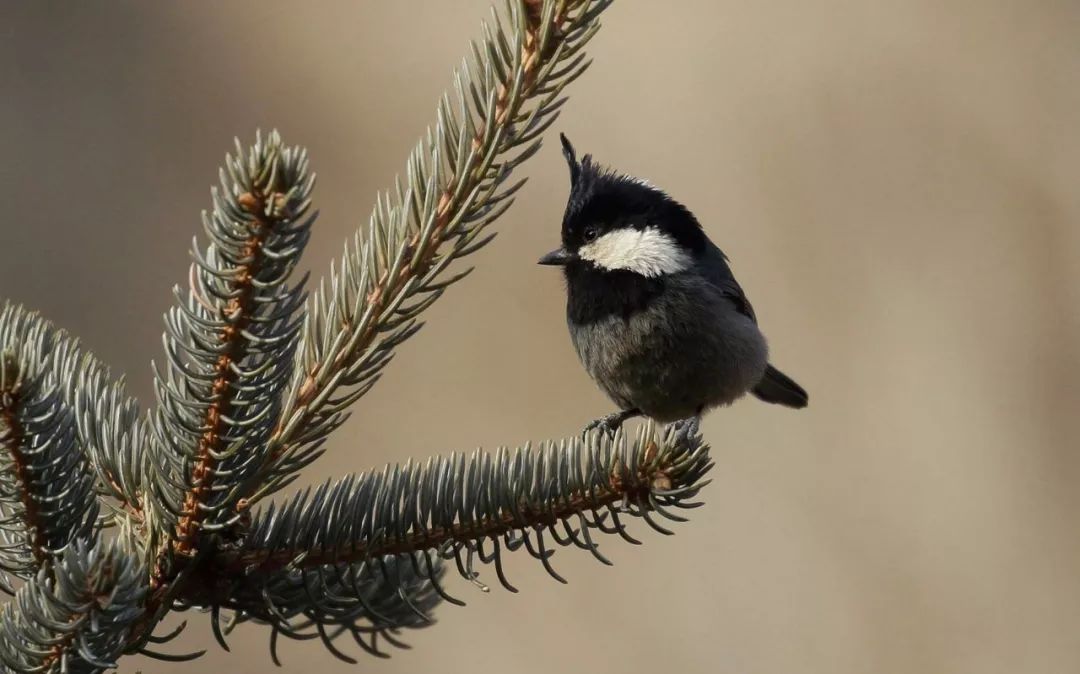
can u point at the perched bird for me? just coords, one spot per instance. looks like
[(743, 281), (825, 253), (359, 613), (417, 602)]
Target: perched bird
[(655, 313)]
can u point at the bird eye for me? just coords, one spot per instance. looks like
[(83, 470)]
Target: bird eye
[(590, 233)]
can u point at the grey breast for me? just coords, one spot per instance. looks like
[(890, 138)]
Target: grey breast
[(687, 350)]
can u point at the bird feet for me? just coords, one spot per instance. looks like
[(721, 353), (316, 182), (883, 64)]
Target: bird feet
[(610, 423)]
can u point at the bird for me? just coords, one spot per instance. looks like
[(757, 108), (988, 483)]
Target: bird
[(654, 311)]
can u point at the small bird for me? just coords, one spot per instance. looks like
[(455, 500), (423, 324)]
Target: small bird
[(654, 311)]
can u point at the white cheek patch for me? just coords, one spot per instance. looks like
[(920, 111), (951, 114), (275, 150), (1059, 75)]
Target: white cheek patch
[(648, 252)]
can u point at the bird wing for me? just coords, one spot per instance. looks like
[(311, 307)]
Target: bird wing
[(715, 269)]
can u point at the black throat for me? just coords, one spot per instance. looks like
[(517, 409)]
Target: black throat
[(594, 294)]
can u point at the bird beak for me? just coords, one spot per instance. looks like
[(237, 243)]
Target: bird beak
[(558, 256)]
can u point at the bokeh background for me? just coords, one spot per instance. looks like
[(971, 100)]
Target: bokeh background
[(897, 184)]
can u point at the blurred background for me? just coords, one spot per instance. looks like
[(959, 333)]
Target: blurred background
[(898, 187)]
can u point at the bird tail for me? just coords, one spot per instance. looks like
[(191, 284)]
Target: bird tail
[(778, 388)]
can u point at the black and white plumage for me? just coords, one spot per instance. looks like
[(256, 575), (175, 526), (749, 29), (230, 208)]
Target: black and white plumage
[(654, 311)]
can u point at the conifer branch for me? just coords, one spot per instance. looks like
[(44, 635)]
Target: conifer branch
[(453, 504), (229, 343), (367, 602), (47, 497), (76, 619), (109, 430), (455, 187), (255, 378), (17, 493), (322, 564)]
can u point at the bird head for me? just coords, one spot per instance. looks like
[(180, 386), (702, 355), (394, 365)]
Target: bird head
[(618, 223)]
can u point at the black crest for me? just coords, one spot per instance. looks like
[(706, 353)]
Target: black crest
[(571, 158), (577, 169)]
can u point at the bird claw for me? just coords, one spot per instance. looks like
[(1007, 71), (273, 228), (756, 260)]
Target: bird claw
[(685, 428), (692, 425), (609, 425)]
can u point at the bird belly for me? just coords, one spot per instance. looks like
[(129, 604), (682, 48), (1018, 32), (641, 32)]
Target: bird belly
[(682, 354)]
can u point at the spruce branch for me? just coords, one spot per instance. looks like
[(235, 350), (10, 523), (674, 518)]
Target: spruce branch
[(108, 426), (452, 506), (47, 497), (111, 429), (363, 556), (76, 617), (229, 341), (254, 380), (456, 185), (368, 602)]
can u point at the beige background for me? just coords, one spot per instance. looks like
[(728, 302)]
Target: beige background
[(896, 182)]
